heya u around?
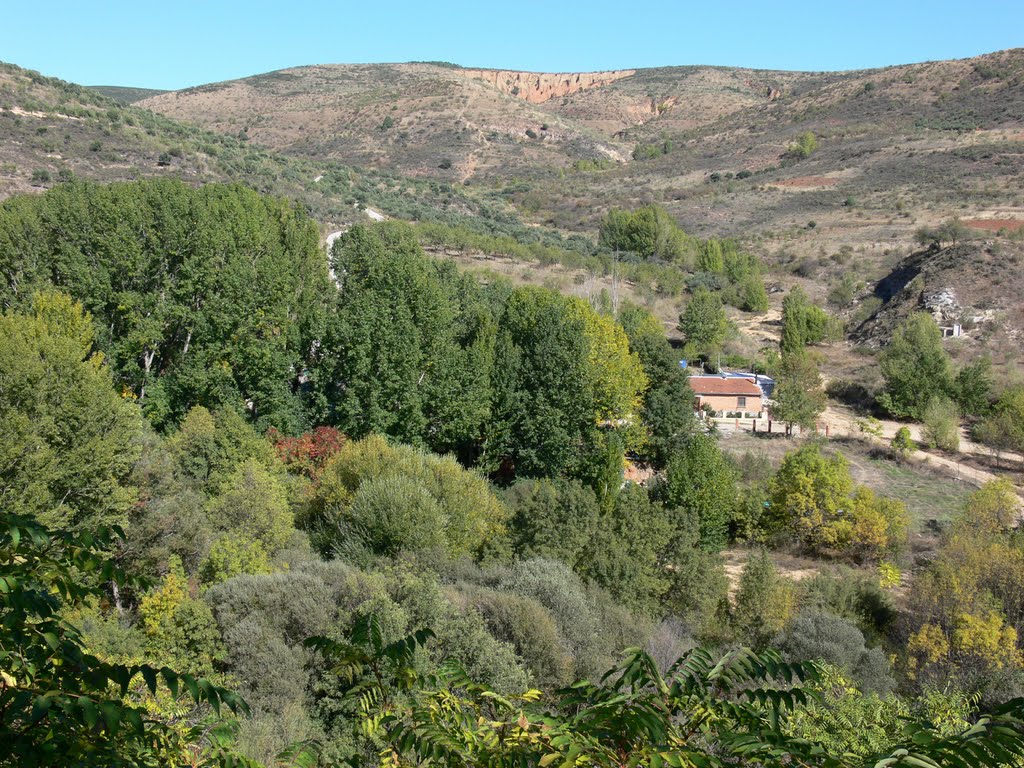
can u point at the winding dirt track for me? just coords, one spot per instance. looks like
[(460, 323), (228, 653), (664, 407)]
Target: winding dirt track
[(842, 421)]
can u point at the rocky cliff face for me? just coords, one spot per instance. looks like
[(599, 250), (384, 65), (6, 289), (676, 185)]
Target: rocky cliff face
[(536, 87)]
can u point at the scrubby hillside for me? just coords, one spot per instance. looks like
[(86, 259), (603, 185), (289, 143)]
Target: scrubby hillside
[(976, 285), (51, 131), (895, 148), (451, 122)]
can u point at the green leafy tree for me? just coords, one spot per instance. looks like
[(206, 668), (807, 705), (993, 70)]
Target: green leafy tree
[(799, 397), (941, 419), (618, 376), (698, 587), (1003, 429), (951, 231), (972, 387), (709, 258), (750, 294), (703, 323), (209, 447), (234, 554), (67, 440), (701, 483), (648, 232), (179, 628), (255, 501), (915, 366), (803, 323), (843, 291), (544, 416)]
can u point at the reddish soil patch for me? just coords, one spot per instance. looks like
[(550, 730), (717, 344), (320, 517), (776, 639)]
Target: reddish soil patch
[(994, 225), (808, 181)]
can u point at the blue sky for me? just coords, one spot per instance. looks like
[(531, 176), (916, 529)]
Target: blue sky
[(188, 42)]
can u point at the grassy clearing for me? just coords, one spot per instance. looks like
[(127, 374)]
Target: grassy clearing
[(928, 495), (932, 497)]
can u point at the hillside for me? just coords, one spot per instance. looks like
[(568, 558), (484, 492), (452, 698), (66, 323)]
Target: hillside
[(460, 123), (123, 95), (897, 147), (543, 156), (389, 406), (51, 131)]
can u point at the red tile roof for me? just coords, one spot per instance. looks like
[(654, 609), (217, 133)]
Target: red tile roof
[(716, 385)]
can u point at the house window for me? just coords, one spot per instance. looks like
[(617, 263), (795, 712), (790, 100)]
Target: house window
[(741, 402)]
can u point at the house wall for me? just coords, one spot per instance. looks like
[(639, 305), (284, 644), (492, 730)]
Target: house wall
[(728, 403)]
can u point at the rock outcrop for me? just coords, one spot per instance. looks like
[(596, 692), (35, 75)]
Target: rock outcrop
[(536, 87)]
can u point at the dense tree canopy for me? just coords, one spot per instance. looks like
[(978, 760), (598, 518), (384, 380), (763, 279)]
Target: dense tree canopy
[(409, 349), (199, 296), (385, 508)]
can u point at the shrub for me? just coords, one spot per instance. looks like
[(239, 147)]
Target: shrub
[(902, 445), (852, 595), (413, 500), (562, 592), (804, 146), (941, 424), (836, 640), (529, 628)]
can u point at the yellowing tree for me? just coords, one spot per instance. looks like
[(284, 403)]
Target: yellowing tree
[(618, 376), (994, 507), (928, 645), (814, 496), (988, 638)]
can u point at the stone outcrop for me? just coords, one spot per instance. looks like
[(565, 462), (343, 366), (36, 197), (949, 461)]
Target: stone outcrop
[(942, 305), (536, 87)]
